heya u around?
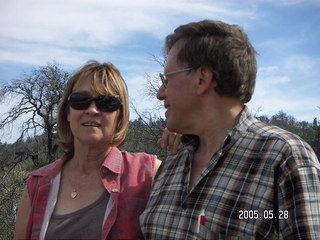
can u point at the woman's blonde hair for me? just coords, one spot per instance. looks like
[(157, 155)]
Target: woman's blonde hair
[(105, 80)]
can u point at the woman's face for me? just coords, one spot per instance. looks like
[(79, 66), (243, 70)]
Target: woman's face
[(91, 127)]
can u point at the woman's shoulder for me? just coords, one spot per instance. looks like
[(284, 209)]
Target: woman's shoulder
[(50, 169), (139, 158), (138, 155)]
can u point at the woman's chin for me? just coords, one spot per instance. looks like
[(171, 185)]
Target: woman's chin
[(93, 142)]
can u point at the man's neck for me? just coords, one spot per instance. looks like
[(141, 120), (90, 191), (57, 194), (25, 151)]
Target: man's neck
[(212, 132), (215, 126)]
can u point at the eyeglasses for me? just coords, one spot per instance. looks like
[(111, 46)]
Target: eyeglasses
[(163, 76), (105, 103)]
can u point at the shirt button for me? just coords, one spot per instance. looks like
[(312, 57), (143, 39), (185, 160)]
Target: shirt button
[(184, 206), (115, 190), (186, 170)]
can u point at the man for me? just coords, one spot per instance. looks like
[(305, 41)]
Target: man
[(236, 178)]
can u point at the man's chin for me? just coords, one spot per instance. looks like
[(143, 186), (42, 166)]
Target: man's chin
[(171, 126)]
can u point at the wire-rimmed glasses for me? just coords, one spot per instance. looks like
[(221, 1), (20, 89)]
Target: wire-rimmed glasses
[(163, 76)]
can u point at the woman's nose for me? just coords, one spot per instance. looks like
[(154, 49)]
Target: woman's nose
[(92, 108)]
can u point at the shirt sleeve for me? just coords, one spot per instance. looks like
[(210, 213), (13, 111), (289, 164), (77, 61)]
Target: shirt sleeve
[(299, 204)]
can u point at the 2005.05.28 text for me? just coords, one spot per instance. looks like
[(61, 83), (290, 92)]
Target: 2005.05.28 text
[(265, 214)]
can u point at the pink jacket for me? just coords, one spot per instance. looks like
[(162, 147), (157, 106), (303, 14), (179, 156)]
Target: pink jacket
[(126, 176)]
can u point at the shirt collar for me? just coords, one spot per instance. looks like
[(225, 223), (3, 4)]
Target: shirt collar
[(241, 126), (113, 160), (52, 169)]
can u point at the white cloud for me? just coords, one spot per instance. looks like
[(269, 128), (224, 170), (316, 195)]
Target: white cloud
[(34, 32), (269, 80), (290, 2), (301, 64), (289, 85), (303, 109), (37, 29)]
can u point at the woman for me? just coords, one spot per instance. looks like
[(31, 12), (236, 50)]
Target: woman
[(94, 191)]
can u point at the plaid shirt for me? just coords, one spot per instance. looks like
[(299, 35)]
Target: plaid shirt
[(263, 184)]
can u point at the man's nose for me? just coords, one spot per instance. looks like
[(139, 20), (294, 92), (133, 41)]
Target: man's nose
[(161, 93)]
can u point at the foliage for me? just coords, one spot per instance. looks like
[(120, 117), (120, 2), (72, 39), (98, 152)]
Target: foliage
[(11, 186), (37, 95), (143, 135), (310, 132)]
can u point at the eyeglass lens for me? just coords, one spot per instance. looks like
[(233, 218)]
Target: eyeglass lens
[(104, 103)]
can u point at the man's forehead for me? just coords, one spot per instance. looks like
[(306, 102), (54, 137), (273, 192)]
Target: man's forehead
[(171, 59)]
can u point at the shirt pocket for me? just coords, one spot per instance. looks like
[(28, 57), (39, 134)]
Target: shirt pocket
[(212, 230)]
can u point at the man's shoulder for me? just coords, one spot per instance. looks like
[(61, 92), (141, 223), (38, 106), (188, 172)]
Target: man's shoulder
[(250, 125), (269, 131), (285, 142)]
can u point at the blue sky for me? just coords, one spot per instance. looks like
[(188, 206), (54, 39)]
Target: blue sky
[(127, 33)]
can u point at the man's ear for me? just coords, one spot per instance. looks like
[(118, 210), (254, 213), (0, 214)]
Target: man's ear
[(68, 114), (206, 80)]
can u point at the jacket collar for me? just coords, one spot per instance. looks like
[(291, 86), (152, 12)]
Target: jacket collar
[(113, 160)]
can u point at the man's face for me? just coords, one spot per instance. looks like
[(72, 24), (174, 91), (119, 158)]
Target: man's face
[(178, 94)]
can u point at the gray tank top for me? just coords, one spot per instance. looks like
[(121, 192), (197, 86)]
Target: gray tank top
[(85, 223)]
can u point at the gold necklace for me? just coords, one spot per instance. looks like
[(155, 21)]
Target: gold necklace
[(74, 194)]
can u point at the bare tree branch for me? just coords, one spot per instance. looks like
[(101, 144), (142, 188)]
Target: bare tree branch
[(35, 98)]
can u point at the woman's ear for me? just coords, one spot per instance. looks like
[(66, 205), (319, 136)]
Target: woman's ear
[(206, 80)]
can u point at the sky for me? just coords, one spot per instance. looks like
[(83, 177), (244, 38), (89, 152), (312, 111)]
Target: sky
[(129, 33)]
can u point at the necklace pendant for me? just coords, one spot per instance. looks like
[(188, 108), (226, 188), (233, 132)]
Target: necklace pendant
[(74, 194)]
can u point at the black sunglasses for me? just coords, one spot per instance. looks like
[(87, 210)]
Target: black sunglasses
[(105, 103)]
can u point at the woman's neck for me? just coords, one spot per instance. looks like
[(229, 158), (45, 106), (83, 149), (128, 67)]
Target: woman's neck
[(87, 160)]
